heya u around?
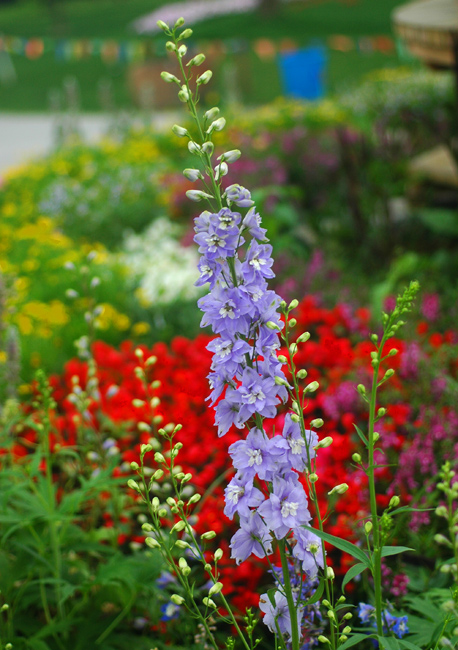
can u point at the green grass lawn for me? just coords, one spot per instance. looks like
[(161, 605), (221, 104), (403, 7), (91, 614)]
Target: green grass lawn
[(112, 18)]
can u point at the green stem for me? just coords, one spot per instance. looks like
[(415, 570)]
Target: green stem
[(376, 537), (313, 493), (289, 596)]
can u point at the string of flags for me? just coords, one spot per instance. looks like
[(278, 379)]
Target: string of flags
[(136, 50)]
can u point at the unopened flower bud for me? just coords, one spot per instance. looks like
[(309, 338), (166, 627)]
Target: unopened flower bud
[(317, 423), (186, 33), (170, 47), (180, 543), (313, 478), (208, 602), (312, 387), (183, 95), (295, 418), (162, 512), (208, 148), (330, 574), (293, 349), (303, 338), (209, 535), (361, 389), (441, 539), (147, 528), (192, 174), (138, 403), (441, 511), (230, 156), (134, 466), (218, 554), (159, 473), (204, 78), (169, 78), (347, 629), (326, 442), (368, 527), (389, 373), (217, 125), (211, 114), (302, 374), (178, 600), (217, 587), (162, 25), (282, 358), (323, 639), (194, 147), (195, 498), (271, 325), (221, 170), (343, 638), (381, 412), (292, 322), (159, 458), (196, 60), (179, 23), (180, 131), (178, 527), (394, 501), (339, 489), (197, 195), (133, 485), (356, 457), (152, 543)]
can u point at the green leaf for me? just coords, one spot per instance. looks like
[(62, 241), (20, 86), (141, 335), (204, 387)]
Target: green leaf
[(394, 550), (388, 642), (353, 640), (342, 545), (409, 645), (315, 597), (353, 572), (361, 435), (439, 220)]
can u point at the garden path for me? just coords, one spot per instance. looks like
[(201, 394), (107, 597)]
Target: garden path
[(25, 136)]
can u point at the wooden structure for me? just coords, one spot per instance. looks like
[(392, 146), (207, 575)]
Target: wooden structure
[(429, 29)]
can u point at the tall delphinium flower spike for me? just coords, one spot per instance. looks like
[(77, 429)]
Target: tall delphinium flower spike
[(247, 377)]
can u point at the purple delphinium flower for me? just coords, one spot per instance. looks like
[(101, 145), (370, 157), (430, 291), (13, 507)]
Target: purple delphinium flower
[(300, 451), (257, 454), (279, 614), (253, 538), (365, 612), (240, 496), (308, 550), (286, 506), (239, 195)]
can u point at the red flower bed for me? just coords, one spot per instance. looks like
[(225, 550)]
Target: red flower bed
[(337, 356)]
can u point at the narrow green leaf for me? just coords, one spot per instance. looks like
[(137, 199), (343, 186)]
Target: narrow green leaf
[(353, 640), (352, 572), (398, 511), (315, 597), (361, 435), (342, 545), (394, 550)]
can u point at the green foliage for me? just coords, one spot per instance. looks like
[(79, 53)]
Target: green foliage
[(63, 575)]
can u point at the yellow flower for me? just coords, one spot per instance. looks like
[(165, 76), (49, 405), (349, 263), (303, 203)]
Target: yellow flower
[(25, 324), (111, 317), (140, 328), (9, 209), (3, 356)]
